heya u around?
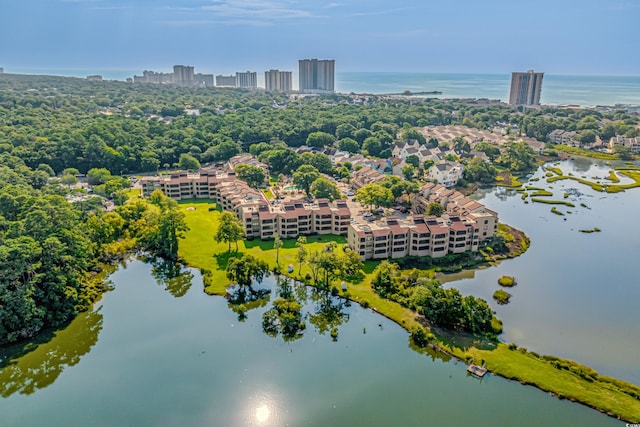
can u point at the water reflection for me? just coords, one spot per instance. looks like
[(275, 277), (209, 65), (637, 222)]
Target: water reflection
[(285, 316), (173, 276), (329, 313), (28, 367), (244, 298)]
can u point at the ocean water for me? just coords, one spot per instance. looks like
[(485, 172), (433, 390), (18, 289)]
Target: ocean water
[(556, 89)]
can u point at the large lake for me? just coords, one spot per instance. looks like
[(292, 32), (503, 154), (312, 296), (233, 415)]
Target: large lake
[(159, 352)]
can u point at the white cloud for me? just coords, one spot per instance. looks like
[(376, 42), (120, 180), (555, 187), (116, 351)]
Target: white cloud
[(252, 9)]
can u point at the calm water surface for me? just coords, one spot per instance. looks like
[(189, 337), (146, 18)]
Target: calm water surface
[(162, 353), (577, 294)]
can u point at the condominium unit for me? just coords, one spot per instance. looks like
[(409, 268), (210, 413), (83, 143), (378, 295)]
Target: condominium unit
[(463, 225), (365, 175), (316, 75), (278, 81), (226, 81), (525, 88), (247, 79), (260, 217), (415, 235), (295, 218)]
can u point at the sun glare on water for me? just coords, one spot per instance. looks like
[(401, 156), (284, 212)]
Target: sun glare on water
[(262, 414)]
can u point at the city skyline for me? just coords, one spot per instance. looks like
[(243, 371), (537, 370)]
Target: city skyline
[(223, 36)]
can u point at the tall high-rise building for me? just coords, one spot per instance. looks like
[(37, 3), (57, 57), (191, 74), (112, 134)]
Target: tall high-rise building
[(278, 81), (183, 75), (227, 81), (525, 88), (316, 75), (248, 79)]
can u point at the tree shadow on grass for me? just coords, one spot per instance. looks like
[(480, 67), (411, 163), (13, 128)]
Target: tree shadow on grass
[(291, 243), (223, 258)]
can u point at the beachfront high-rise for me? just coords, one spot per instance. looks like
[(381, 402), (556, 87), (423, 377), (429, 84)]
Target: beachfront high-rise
[(183, 75), (278, 81), (316, 75), (525, 88), (248, 79)]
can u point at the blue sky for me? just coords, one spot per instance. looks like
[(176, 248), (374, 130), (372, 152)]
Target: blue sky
[(221, 36)]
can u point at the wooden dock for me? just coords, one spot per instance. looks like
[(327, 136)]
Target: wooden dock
[(477, 371)]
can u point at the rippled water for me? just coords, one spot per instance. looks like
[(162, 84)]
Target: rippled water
[(157, 351)]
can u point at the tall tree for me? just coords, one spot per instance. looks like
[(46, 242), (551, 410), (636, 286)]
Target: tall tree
[(229, 229), (188, 162), (301, 256), (304, 177), (374, 195), (322, 188), (252, 175)]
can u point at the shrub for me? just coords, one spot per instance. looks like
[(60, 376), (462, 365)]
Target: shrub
[(507, 281), (502, 297), (419, 336)]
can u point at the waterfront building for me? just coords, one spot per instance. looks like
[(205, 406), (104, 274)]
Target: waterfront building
[(278, 81), (183, 75), (316, 75), (247, 79), (226, 81), (525, 88), (94, 78)]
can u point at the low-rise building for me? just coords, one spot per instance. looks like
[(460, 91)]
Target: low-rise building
[(364, 176), (260, 217), (632, 143), (464, 224), (295, 218), (415, 235), (446, 173)]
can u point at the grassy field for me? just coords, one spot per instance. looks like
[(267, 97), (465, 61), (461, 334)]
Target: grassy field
[(198, 249)]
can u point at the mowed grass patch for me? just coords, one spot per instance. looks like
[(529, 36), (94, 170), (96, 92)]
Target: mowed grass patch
[(198, 248)]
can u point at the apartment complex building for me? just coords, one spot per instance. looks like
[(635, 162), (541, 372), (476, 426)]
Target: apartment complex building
[(278, 81), (248, 79), (225, 81), (366, 175), (183, 75), (259, 217), (316, 75), (525, 88), (295, 218), (464, 224), (415, 235)]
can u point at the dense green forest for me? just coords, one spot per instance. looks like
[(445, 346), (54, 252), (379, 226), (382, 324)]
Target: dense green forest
[(129, 128), (51, 246)]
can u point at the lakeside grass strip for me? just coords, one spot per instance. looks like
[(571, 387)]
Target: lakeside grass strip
[(198, 249), (553, 169), (528, 368), (553, 202)]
